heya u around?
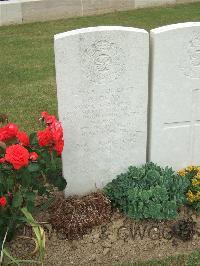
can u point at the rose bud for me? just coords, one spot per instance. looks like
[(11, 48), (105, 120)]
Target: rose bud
[(33, 156), (3, 201), (2, 160)]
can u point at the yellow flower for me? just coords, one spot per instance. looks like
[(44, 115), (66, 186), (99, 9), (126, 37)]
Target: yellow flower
[(190, 196), (189, 168), (193, 197), (197, 175), (198, 194), (181, 172), (195, 182)]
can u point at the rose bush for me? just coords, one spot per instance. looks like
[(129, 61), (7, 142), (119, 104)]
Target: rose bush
[(29, 166)]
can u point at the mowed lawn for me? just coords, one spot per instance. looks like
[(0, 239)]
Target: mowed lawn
[(27, 73)]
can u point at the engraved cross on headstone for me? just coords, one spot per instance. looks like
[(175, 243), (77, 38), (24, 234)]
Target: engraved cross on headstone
[(190, 123)]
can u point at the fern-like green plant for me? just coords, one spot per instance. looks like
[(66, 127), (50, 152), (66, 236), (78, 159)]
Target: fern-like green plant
[(148, 192)]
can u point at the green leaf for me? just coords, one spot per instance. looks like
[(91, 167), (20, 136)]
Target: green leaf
[(33, 139), (30, 196), (9, 183), (39, 233), (17, 200), (26, 180), (33, 167)]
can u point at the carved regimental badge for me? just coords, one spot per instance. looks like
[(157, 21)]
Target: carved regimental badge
[(103, 61), (190, 61)]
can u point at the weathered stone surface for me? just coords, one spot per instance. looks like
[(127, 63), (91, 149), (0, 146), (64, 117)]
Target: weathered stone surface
[(186, 1), (10, 13), (175, 100), (102, 80), (91, 7), (41, 10), (148, 3)]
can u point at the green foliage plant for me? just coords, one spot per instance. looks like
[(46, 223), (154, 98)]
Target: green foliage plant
[(148, 192)]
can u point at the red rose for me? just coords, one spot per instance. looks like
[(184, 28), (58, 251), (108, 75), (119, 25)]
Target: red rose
[(33, 156), (23, 138), (3, 201), (17, 155), (57, 135), (2, 160), (8, 132), (44, 137), (52, 136), (56, 127), (49, 119), (59, 146)]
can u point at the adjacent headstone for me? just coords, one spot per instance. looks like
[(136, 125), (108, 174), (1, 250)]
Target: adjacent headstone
[(175, 100), (102, 88)]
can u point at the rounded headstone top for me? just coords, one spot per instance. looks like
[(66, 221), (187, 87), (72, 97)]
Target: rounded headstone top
[(175, 27), (98, 29)]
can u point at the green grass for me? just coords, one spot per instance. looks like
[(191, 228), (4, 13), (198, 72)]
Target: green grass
[(27, 74)]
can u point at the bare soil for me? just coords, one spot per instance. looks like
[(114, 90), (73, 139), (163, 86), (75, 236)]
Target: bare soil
[(116, 239)]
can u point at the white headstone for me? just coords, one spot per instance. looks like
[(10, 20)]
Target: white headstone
[(102, 88), (175, 99)]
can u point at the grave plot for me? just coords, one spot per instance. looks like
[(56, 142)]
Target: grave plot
[(145, 212)]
